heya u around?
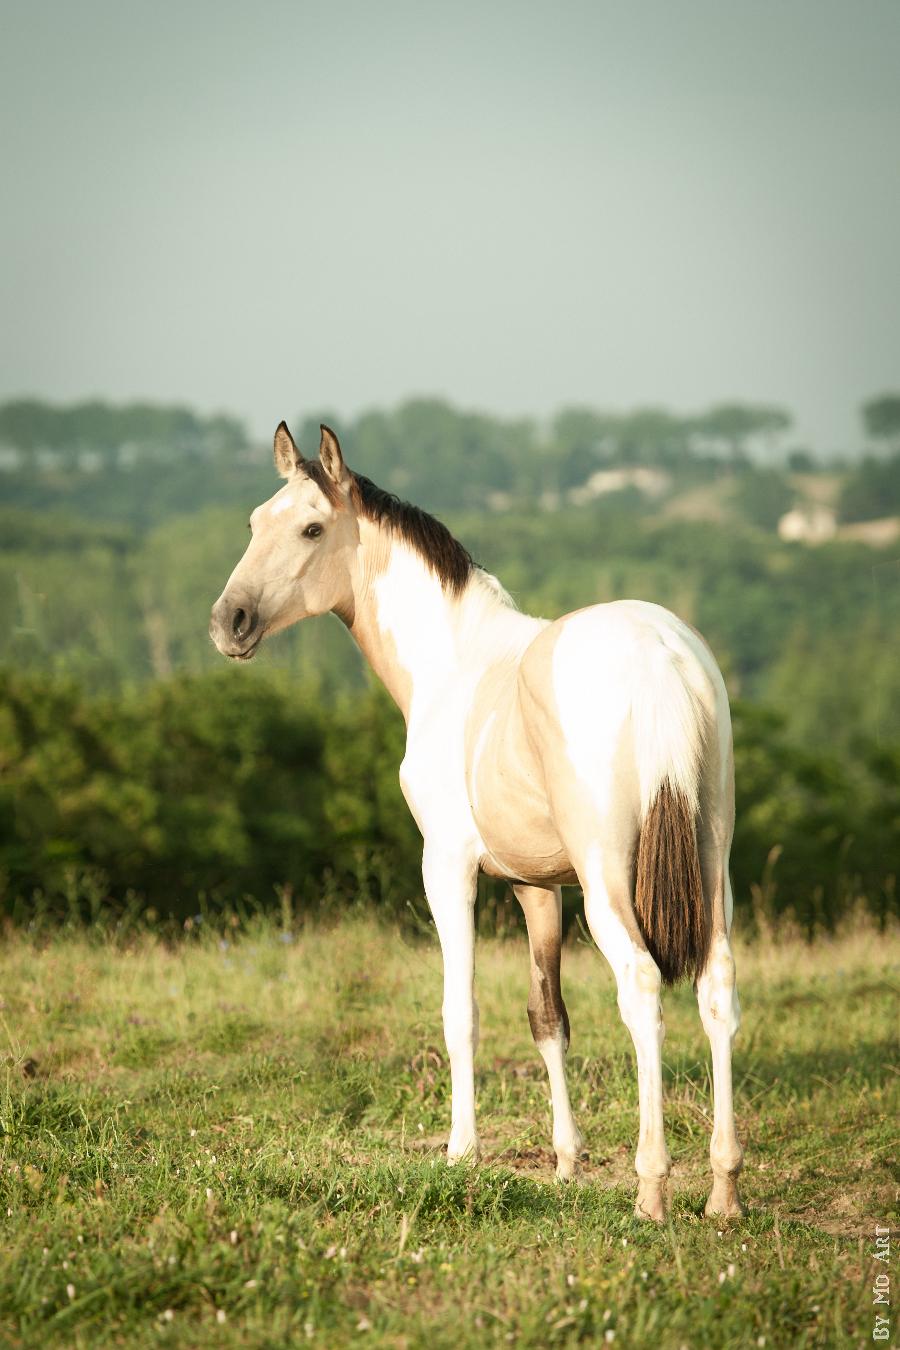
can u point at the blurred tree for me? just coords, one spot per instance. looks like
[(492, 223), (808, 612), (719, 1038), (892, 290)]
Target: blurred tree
[(881, 418), (871, 490), (762, 496), (734, 425)]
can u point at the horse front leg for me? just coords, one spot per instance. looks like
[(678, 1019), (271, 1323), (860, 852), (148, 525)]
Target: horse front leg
[(450, 885), (548, 1017)]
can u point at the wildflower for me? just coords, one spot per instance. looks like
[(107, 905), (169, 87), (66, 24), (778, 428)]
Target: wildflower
[(168, 1315), (70, 1290), (570, 1280), (609, 1336), (250, 1284), (233, 1237), (364, 1324), (731, 1270), (221, 1316)]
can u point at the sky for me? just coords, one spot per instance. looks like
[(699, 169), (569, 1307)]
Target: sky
[(278, 208)]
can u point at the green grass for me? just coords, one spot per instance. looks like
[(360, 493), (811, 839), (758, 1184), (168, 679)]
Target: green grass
[(240, 1144)]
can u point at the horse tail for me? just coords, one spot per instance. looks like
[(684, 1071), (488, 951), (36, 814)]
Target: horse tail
[(669, 724)]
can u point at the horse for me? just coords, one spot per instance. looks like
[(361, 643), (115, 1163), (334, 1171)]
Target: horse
[(593, 750)]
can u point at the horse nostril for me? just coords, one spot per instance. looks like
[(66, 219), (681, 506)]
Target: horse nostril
[(238, 622)]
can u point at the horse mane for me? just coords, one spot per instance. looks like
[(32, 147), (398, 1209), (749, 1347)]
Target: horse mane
[(447, 557)]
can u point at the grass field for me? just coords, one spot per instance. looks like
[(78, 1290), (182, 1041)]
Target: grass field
[(238, 1142)]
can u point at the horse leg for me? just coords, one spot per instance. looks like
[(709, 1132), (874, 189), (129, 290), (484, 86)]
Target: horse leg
[(720, 1012), (548, 1017), (610, 916), (450, 884)]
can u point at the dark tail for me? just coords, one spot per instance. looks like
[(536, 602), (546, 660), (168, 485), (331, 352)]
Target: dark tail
[(668, 890)]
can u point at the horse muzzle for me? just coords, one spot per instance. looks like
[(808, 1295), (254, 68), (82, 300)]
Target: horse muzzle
[(235, 628)]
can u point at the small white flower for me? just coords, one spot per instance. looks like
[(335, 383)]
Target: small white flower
[(364, 1324), (721, 1277), (609, 1336), (570, 1280), (221, 1316), (232, 1237), (743, 1246), (70, 1290), (168, 1315), (250, 1284), (731, 1270)]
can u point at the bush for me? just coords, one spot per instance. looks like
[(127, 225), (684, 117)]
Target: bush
[(232, 785)]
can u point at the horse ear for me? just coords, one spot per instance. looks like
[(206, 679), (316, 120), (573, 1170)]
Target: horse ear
[(331, 457), (287, 457)]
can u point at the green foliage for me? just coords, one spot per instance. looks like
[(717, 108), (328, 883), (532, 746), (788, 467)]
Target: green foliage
[(762, 496), (235, 783), (106, 581), (106, 429), (881, 418), (871, 490)]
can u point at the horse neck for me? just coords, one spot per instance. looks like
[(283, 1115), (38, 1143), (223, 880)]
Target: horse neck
[(419, 638)]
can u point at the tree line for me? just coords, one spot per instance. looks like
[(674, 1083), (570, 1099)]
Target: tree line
[(105, 460)]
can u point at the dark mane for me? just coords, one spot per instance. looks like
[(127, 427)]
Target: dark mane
[(446, 557)]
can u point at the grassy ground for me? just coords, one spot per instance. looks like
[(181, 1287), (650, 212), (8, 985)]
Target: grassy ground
[(239, 1143)]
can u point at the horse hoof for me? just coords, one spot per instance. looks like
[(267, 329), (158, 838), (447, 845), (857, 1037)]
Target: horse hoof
[(468, 1151), (651, 1201), (734, 1209), (724, 1202), (567, 1169)]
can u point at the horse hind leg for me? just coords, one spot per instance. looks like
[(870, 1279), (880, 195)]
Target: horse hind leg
[(610, 915), (720, 1013), (548, 1016)]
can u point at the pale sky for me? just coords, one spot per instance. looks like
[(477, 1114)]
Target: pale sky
[(275, 208)]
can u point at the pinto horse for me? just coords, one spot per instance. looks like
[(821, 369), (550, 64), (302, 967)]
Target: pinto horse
[(594, 750)]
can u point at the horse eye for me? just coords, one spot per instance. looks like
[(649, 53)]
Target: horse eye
[(312, 532)]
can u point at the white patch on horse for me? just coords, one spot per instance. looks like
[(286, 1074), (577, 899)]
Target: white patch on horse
[(413, 608), (282, 504)]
